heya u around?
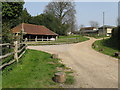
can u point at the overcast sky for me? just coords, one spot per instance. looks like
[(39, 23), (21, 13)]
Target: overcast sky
[(85, 11)]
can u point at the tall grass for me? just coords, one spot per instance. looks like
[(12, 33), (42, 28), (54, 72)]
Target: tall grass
[(109, 46)]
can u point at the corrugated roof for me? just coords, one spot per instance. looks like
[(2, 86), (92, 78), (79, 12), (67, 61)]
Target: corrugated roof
[(106, 26), (33, 29), (87, 28), (87, 31)]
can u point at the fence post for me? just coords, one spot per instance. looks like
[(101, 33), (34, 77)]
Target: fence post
[(26, 42), (16, 50)]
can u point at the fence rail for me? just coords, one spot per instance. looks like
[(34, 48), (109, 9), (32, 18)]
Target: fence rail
[(5, 44), (15, 53), (6, 55)]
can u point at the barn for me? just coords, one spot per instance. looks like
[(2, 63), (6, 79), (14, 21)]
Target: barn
[(33, 32), (89, 31), (106, 30)]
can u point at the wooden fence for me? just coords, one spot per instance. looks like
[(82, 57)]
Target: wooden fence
[(16, 47)]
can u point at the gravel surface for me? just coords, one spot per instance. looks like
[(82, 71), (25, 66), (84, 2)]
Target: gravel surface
[(92, 69)]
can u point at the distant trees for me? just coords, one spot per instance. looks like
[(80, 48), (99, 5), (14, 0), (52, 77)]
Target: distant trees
[(47, 20), (65, 13), (0, 13), (7, 35), (25, 17), (94, 24), (10, 12), (58, 16), (116, 30), (81, 26), (116, 34), (116, 37)]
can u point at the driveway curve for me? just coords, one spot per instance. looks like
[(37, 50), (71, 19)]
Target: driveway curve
[(92, 69)]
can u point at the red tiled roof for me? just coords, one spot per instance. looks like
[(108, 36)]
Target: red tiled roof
[(33, 29)]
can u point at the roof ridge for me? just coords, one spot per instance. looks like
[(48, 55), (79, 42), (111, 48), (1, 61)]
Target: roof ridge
[(31, 28), (33, 24)]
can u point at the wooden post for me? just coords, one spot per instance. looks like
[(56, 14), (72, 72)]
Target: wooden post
[(60, 77), (16, 50), (54, 56), (29, 37), (26, 39), (42, 38), (47, 38), (36, 39), (56, 37), (26, 42)]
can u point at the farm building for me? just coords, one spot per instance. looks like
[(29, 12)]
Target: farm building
[(106, 30), (88, 30), (103, 30), (34, 32)]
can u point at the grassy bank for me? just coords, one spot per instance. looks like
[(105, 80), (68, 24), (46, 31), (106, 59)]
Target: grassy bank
[(97, 37), (70, 36), (107, 46), (34, 70), (62, 40)]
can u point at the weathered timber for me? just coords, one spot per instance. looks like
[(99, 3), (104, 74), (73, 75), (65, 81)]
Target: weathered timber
[(6, 64), (60, 77), (54, 56)]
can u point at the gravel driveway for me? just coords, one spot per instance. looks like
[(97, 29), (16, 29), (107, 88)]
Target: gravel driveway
[(92, 69)]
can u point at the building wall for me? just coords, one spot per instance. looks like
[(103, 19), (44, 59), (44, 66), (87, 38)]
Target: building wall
[(109, 30), (89, 33), (94, 28)]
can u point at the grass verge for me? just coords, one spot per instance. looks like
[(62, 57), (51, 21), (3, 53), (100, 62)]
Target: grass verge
[(62, 40), (70, 80), (107, 46), (34, 70), (97, 37)]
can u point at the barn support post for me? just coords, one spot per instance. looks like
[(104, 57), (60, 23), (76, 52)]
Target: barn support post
[(56, 37), (47, 38), (16, 51), (42, 38), (26, 42), (29, 38), (36, 39)]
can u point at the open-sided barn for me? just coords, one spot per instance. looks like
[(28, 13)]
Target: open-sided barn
[(34, 32)]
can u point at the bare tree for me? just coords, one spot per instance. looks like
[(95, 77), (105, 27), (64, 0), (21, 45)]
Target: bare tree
[(64, 11), (94, 24), (81, 26)]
